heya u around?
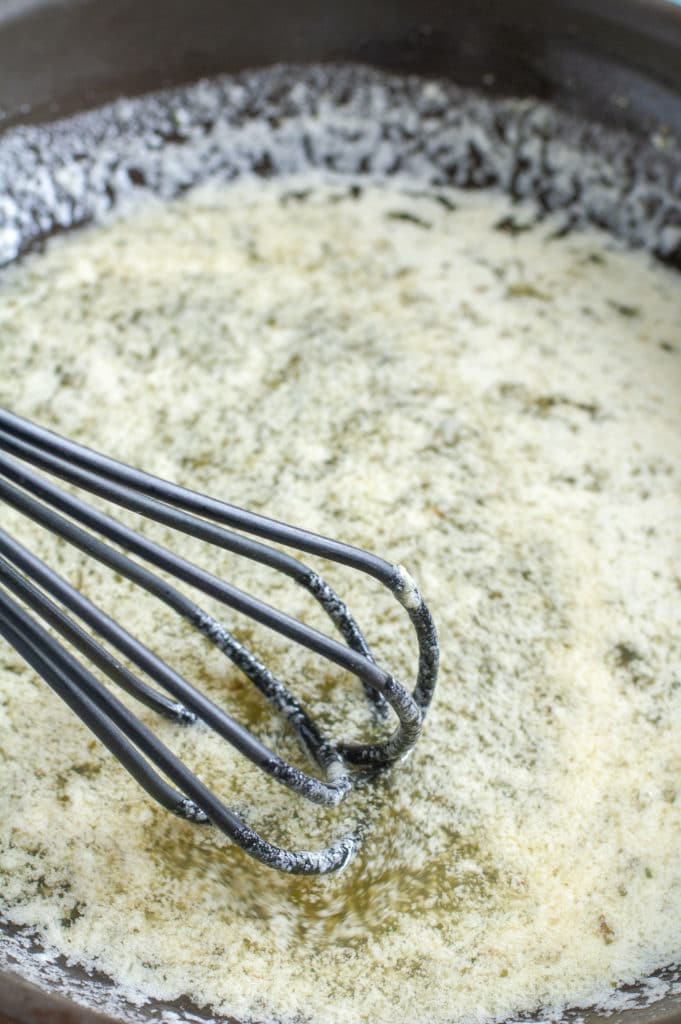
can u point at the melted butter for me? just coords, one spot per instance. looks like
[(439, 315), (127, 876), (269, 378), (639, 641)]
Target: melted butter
[(500, 413)]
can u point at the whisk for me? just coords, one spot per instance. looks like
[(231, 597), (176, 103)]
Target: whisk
[(31, 591)]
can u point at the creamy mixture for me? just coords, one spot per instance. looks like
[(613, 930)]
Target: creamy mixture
[(431, 376)]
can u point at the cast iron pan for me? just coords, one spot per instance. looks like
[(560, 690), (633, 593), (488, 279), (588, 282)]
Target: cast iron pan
[(617, 62)]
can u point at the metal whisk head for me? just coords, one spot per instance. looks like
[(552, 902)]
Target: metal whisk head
[(31, 590)]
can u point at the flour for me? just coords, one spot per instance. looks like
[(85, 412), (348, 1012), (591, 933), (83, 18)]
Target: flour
[(498, 410)]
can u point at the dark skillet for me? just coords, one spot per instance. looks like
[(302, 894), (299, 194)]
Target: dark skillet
[(617, 62)]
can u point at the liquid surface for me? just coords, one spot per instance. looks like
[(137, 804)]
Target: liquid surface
[(435, 378)]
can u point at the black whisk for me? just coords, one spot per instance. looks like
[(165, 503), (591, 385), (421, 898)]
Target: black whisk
[(38, 588)]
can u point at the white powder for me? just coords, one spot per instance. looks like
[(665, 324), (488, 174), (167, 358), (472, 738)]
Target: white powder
[(493, 408)]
